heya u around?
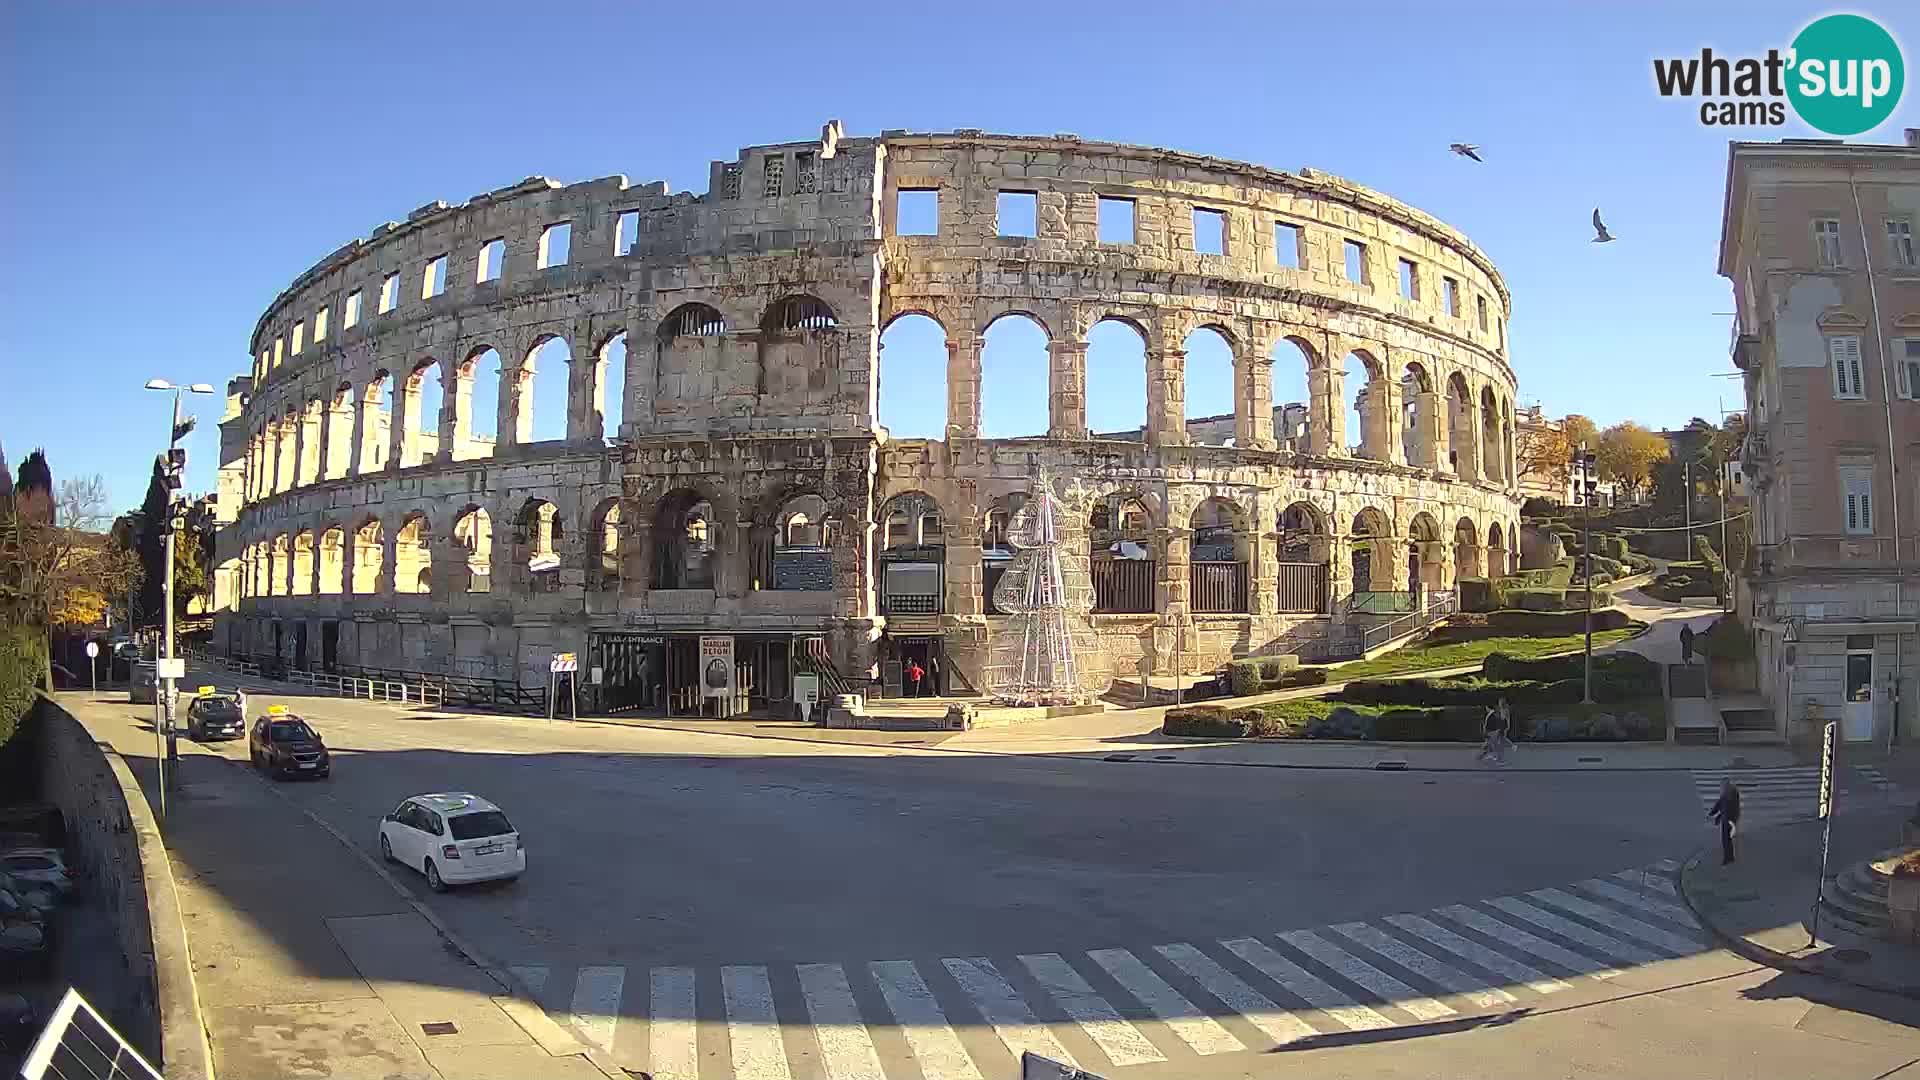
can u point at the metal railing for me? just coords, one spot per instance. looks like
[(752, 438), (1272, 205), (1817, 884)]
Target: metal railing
[(1437, 607), (1303, 588), (1379, 603), (391, 685), (1218, 587), (1123, 586)]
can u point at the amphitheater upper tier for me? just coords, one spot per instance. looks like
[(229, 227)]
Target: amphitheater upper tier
[(750, 491)]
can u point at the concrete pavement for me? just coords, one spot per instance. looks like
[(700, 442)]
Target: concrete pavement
[(308, 963)]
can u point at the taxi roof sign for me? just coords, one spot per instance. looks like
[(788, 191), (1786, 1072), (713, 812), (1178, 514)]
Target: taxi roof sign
[(205, 690), (276, 710)]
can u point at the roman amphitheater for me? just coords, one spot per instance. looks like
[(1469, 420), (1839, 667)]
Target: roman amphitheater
[(420, 474)]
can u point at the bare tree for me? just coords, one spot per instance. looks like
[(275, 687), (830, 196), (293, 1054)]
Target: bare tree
[(59, 568)]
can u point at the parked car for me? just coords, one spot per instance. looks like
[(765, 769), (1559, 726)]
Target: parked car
[(143, 686), (453, 838), (285, 745), (213, 715), (38, 897), (43, 866)]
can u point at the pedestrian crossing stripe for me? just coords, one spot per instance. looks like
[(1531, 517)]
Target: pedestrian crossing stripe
[(1780, 795), (966, 1018)]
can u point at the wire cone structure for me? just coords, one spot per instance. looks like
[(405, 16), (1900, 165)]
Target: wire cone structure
[(1041, 656)]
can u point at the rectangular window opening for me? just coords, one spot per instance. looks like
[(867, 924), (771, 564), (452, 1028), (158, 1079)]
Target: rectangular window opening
[(390, 293), (279, 351), (1900, 242), (1209, 232), (1480, 302), (1018, 213), (320, 324), (434, 281), (1356, 261), (1856, 485), (556, 244), (1286, 245), (1843, 352), (1409, 280), (1826, 236), (626, 230), (299, 337), (776, 173), (917, 212), (1116, 221), (352, 316), (1907, 351), (493, 254), (1450, 296)]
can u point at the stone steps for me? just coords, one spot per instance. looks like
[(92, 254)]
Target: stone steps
[(1858, 894)]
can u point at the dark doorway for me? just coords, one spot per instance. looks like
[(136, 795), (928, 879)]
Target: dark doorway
[(279, 647), (300, 646), (634, 673), (928, 652), (330, 646)]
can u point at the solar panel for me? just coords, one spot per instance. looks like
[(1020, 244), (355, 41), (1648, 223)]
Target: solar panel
[(79, 1044)]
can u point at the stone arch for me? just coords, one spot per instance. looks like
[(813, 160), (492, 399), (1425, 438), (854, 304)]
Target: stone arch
[(1492, 467), (800, 345), (1463, 428), (1210, 387), (413, 555), (333, 561), (609, 373), (541, 390), (375, 422), (1014, 347), (1372, 554), (912, 519), (1426, 558), (1123, 552), (1299, 396), (1219, 554), (686, 540), (1303, 539), (477, 403), (1497, 550), (369, 556), (1419, 415), (996, 551), (607, 528), (913, 363), (302, 583), (792, 547), (1116, 378), (1372, 420), (1466, 549), (337, 416), (473, 531), (537, 534), (696, 372), (277, 566), (421, 401)]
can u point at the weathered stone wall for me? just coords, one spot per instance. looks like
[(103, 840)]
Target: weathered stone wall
[(751, 317)]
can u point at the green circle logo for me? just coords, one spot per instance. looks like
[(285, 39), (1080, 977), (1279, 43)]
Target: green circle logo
[(1846, 74)]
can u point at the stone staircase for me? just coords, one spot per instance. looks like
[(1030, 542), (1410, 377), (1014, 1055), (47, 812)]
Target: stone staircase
[(1856, 898)]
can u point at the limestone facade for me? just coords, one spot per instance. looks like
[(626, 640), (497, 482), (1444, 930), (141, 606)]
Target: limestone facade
[(750, 456)]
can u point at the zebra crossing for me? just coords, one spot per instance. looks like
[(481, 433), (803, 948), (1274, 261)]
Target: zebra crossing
[(1781, 795), (971, 1017)]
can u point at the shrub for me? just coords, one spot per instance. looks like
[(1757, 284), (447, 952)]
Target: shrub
[(23, 661), (1304, 677), (1244, 676), (1540, 599), (1257, 673), (1476, 594), (1457, 723), (1206, 722), (1726, 639)]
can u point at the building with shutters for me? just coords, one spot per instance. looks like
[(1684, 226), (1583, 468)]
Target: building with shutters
[(1818, 242)]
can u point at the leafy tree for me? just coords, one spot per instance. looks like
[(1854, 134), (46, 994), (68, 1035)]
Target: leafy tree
[(1628, 455), (150, 542), (55, 565), (1578, 430), (1542, 450)]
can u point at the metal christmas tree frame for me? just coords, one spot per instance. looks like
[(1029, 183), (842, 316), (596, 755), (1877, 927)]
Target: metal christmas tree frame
[(1037, 658)]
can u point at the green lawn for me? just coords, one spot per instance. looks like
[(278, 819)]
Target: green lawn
[(1419, 657)]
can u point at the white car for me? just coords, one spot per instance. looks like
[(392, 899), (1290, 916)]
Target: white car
[(42, 866), (453, 838)]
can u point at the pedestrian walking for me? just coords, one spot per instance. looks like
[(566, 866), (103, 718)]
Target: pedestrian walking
[(1686, 643), (914, 674), (1499, 720), (1726, 812)]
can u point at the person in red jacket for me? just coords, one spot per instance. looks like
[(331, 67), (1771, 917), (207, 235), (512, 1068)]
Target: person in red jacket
[(914, 674)]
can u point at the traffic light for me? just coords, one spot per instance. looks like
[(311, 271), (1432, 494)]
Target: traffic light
[(176, 467)]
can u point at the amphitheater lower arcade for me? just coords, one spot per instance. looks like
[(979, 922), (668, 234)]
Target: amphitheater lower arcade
[(386, 515)]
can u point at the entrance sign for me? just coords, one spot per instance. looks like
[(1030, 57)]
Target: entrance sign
[(716, 667), (564, 661)]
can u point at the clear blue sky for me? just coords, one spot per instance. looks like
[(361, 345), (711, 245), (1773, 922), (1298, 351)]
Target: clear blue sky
[(166, 174)]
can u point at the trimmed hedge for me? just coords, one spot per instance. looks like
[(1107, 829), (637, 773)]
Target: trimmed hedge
[(1258, 673), (1515, 623), (23, 662), (1617, 676)]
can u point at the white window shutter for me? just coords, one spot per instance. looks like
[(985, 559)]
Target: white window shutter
[(1839, 367), (1866, 511), (1853, 512)]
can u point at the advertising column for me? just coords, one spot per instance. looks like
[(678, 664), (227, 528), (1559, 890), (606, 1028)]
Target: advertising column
[(716, 674)]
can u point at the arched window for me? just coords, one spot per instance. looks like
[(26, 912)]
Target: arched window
[(685, 541), (1117, 380), (333, 561), (1014, 379), (413, 556), (542, 391), (1121, 548), (913, 556), (473, 530), (1219, 552), (606, 546), (277, 566), (1463, 429), (369, 555), (996, 553), (1372, 541), (1426, 566), (798, 557), (1369, 427), (1306, 552), (610, 385), (1418, 421), (797, 313), (1491, 440), (481, 374), (1466, 550), (799, 353), (302, 584), (420, 435), (1210, 392), (1295, 420), (912, 398), (536, 540), (375, 433)]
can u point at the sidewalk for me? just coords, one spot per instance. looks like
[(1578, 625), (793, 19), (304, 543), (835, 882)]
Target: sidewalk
[(307, 959), (1760, 906)]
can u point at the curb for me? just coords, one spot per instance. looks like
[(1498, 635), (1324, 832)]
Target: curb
[(1744, 947), (521, 1006), (187, 1057)]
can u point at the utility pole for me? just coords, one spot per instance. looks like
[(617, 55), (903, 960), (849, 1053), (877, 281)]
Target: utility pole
[(175, 467), (1686, 501), (1584, 488)]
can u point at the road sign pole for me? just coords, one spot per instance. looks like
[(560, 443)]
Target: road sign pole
[(1829, 745)]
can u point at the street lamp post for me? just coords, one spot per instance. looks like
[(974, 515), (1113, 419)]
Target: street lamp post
[(1584, 487), (168, 761)]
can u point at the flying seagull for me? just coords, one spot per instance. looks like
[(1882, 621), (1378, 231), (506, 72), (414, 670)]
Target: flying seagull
[(1600, 233), (1465, 149)]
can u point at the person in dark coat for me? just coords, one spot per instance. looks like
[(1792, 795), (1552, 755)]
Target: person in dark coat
[(1726, 811), (1686, 644)]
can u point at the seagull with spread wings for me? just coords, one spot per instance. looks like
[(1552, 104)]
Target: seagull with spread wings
[(1466, 149), (1600, 233)]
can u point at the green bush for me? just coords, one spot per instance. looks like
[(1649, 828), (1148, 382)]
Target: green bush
[(1316, 676), (1255, 674), (23, 662), (1244, 675), (1726, 639), (1457, 723), (1206, 722), (1540, 599), (1472, 626)]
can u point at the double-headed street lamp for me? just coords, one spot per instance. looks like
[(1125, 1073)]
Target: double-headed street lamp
[(167, 753), (1586, 482)]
